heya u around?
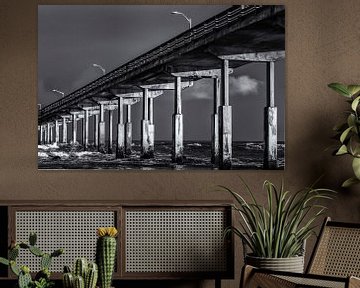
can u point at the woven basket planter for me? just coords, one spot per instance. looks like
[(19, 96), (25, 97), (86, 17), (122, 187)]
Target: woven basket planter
[(291, 264)]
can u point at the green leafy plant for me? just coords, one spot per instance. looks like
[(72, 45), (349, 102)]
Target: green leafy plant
[(279, 229), (348, 132), (42, 278)]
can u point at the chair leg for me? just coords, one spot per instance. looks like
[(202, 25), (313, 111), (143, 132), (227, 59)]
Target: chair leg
[(250, 278), (246, 274), (354, 282)]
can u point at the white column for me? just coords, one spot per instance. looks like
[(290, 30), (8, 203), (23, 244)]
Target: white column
[(120, 143), (74, 128), (151, 126), (270, 123), (177, 133), (128, 131), (86, 129), (64, 128), (145, 131), (225, 119), (42, 134), (215, 123), (101, 136), (110, 143), (57, 132)]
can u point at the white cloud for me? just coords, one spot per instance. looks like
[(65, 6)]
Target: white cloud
[(202, 90), (244, 85)]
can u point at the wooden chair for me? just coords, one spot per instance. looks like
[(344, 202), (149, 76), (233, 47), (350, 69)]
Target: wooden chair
[(334, 263)]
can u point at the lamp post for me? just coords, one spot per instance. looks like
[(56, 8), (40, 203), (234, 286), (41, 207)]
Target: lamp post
[(100, 67), (57, 91), (182, 14)]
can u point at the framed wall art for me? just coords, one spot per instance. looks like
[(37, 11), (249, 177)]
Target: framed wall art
[(161, 87)]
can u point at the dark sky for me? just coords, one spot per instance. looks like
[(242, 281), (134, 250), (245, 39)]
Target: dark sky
[(73, 37)]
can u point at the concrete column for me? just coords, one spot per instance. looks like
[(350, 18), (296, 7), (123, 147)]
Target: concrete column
[(151, 125), (74, 129), (215, 123), (47, 133), (41, 134), (51, 134), (270, 123), (120, 143), (96, 131), (57, 131), (225, 119), (177, 133), (86, 129), (128, 131), (146, 151), (101, 131), (64, 130), (110, 143)]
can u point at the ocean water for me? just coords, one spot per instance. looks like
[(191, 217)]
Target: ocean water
[(197, 155)]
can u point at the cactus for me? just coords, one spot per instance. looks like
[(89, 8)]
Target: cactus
[(57, 253), (68, 280), (24, 277), (79, 282), (80, 268), (32, 238), (14, 268), (67, 269), (105, 255), (89, 272), (4, 261), (36, 251), (42, 278), (91, 276), (13, 253), (45, 261)]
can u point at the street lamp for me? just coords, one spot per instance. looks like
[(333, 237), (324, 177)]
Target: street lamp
[(182, 14), (100, 67), (57, 91)]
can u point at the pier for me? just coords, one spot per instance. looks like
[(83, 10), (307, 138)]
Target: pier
[(212, 49)]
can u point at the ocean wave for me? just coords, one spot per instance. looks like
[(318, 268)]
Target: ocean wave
[(195, 144)]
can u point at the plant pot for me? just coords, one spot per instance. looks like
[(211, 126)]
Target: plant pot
[(291, 264)]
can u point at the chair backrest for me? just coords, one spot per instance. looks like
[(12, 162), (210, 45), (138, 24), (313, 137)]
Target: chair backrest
[(337, 251)]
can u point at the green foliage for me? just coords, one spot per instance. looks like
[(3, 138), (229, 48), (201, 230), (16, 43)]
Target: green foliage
[(42, 283), (348, 132), (42, 278), (279, 229)]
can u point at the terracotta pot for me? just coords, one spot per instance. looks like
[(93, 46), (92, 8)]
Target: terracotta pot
[(291, 264)]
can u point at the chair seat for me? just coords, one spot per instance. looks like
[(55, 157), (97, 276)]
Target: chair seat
[(315, 282), (268, 279)]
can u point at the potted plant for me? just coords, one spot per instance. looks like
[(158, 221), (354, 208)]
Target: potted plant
[(276, 233), (348, 132)]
